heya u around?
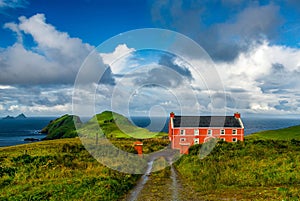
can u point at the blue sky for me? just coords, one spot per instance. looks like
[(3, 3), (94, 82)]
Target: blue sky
[(255, 47), (92, 21)]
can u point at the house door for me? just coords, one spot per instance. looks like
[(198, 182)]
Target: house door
[(196, 140)]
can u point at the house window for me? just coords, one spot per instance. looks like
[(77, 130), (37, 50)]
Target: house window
[(234, 132), (182, 132), (222, 132), (234, 139), (196, 132), (182, 139), (196, 140), (209, 132), (222, 139)]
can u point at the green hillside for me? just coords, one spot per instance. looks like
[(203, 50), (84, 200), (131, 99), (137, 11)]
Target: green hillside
[(114, 125), (62, 127), (280, 134)]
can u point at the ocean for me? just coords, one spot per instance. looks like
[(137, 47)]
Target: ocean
[(14, 131)]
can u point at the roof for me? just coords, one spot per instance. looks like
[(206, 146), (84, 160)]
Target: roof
[(206, 121)]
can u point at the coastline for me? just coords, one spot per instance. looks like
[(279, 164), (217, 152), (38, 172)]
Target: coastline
[(16, 136)]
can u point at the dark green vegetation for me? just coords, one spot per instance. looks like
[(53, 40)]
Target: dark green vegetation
[(58, 170), (62, 127), (260, 168)]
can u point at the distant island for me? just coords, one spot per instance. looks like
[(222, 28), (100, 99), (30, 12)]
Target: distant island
[(20, 116)]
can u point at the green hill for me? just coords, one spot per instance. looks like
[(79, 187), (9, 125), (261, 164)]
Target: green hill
[(280, 134), (114, 125), (62, 127)]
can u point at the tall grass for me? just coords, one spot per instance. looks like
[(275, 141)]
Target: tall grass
[(253, 163), (58, 170)]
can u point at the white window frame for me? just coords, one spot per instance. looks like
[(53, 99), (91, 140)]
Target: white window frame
[(222, 132), (196, 139), (234, 140), (182, 139), (209, 132), (234, 132), (223, 139), (182, 132), (196, 131)]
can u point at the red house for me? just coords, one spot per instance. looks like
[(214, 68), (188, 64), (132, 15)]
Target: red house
[(185, 131)]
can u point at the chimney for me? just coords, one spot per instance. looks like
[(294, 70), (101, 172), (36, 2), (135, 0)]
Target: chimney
[(172, 114), (237, 115)]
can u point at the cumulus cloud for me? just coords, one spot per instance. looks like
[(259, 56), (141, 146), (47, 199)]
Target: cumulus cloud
[(264, 79), (111, 58), (55, 60), (39, 79), (36, 100)]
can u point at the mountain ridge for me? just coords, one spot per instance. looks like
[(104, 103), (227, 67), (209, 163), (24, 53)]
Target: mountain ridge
[(20, 116)]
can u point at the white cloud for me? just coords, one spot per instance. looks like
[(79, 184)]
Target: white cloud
[(12, 108), (260, 78), (36, 100), (48, 38), (56, 58), (113, 59), (265, 79), (6, 87), (39, 109)]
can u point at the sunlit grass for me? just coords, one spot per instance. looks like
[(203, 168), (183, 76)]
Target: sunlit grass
[(280, 134), (257, 169)]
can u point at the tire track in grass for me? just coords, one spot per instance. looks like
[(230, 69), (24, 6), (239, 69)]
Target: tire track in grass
[(173, 176), (157, 185), (140, 185)]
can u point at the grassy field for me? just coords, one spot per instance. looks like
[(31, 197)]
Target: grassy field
[(63, 170), (281, 134), (266, 166), (58, 170)]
